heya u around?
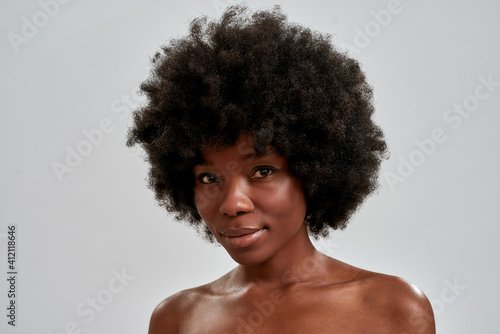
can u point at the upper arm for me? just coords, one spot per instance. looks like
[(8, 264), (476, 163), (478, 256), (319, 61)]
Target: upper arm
[(165, 317), (409, 307)]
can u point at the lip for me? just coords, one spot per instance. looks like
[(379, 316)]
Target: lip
[(240, 238)]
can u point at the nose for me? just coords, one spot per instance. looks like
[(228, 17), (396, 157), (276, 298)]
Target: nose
[(235, 198)]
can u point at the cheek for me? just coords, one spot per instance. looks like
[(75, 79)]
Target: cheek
[(287, 202), (204, 199)]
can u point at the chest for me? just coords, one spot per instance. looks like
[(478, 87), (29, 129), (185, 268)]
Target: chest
[(276, 312)]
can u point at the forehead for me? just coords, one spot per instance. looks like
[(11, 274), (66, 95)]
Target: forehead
[(242, 150)]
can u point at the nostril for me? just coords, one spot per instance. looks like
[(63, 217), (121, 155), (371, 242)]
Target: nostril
[(236, 213)]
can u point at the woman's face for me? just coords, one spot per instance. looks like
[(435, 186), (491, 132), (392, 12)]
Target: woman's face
[(251, 203)]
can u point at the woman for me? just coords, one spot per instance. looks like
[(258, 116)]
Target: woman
[(260, 132)]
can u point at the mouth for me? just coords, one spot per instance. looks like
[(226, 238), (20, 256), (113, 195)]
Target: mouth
[(242, 237)]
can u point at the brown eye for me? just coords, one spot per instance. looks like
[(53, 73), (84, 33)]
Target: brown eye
[(207, 178), (262, 173)]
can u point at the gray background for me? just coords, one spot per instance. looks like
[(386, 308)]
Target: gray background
[(436, 224)]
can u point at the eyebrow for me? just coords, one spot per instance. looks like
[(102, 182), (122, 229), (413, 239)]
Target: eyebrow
[(268, 150)]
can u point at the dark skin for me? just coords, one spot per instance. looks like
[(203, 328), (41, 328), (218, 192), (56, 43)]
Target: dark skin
[(255, 208)]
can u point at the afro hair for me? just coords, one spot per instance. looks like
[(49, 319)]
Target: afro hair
[(281, 83)]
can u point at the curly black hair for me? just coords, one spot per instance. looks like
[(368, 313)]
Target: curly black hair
[(281, 83)]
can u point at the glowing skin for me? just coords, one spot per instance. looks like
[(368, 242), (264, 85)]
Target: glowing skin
[(255, 208), (252, 204)]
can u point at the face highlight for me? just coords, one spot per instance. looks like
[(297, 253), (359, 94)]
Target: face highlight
[(251, 202)]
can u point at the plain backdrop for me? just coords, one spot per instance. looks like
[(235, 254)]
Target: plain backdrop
[(70, 70)]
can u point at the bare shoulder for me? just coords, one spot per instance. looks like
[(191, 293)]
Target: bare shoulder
[(172, 311), (400, 305), (383, 303), (178, 312)]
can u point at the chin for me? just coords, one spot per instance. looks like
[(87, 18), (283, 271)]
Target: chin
[(247, 257)]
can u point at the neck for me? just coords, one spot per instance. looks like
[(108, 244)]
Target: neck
[(298, 261)]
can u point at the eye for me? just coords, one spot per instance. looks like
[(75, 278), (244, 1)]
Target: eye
[(207, 178), (263, 172)]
